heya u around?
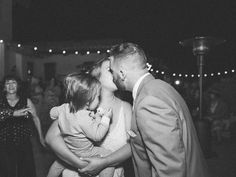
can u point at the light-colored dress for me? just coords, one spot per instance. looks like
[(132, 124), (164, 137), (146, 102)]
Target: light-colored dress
[(115, 139)]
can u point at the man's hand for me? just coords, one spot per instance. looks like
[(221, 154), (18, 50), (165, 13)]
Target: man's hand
[(95, 165)]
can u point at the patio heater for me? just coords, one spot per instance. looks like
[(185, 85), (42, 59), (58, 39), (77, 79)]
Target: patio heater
[(200, 47)]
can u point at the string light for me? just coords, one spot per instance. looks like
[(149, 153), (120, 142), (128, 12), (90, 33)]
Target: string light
[(149, 66), (1, 41), (177, 82)]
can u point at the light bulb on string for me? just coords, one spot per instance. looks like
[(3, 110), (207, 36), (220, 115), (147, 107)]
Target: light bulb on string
[(18, 45), (76, 52), (98, 52), (177, 82), (64, 52), (35, 48), (87, 52), (1, 41), (50, 50)]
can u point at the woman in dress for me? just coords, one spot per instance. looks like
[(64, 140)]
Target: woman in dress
[(117, 136), (17, 113)]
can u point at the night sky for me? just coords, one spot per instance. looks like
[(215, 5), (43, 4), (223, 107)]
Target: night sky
[(156, 25)]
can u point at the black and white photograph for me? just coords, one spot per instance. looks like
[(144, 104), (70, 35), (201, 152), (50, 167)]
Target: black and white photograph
[(117, 88)]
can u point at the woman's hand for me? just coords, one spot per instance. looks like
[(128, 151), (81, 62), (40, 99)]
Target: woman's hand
[(21, 112), (95, 165), (42, 141)]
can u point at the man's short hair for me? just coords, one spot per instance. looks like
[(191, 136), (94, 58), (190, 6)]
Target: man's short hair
[(124, 50)]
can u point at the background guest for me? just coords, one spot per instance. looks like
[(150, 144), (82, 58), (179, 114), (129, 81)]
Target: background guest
[(17, 113)]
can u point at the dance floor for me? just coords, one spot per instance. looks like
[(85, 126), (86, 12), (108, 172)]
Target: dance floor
[(221, 164)]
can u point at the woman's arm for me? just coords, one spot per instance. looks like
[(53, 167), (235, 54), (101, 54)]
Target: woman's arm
[(96, 164), (57, 144), (6, 113), (36, 121)]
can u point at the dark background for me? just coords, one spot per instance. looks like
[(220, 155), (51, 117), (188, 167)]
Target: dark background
[(156, 25)]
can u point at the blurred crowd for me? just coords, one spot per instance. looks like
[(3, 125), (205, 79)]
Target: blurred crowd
[(219, 101)]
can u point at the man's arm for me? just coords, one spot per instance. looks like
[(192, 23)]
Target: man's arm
[(161, 132), (57, 144), (97, 164)]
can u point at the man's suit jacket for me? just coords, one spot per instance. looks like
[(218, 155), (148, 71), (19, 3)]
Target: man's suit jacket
[(164, 143)]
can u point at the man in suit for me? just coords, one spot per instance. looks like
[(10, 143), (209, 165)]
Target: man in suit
[(163, 138)]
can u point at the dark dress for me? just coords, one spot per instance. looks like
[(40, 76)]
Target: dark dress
[(16, 155)]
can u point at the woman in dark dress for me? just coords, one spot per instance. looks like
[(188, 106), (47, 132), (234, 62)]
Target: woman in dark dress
[(17, 113)]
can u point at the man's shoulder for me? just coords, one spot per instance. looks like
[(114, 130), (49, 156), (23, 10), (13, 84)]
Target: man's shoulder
[(157, 84)]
